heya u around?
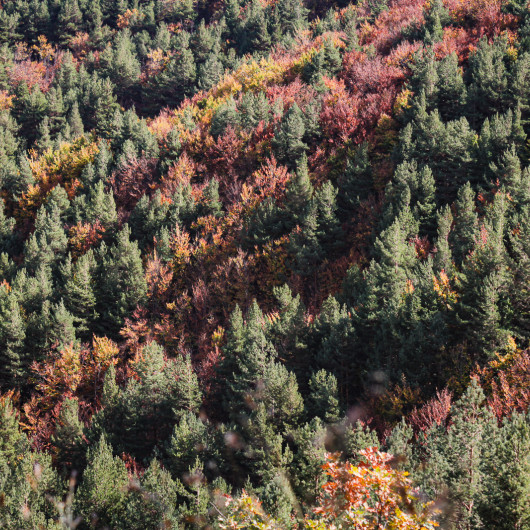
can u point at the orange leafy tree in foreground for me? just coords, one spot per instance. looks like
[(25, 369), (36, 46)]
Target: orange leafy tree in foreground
[(370, 495)]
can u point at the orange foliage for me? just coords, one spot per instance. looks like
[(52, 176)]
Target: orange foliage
[(80, 44), (270, 180), (6, 101), (83, 236), (131, 17), (60, 167), (180, 174), (363, 496), (75, 371)]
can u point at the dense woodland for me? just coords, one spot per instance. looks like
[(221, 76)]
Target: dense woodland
[(264, 264)]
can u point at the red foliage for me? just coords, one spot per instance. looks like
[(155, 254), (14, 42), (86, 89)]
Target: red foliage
[(339, 118), (131, 181), (387, 29), (506, 384), (434, 411), (224, 158)]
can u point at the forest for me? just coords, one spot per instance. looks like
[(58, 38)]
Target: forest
[(264, 264)]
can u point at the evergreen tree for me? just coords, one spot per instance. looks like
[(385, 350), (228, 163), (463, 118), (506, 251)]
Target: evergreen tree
[(288, 140), (120, 280), (488, 88), (443, 256), (12, 339), (329, 231), (68, 440), (323, 399), (249, 351), (80, 299), (299, 194), (278, 392), (506, 503), (467, 442), (101, 495), (356, 184)]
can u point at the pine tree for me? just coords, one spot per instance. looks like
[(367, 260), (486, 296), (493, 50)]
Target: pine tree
[(121, 65), (443, 256), (323, 398), (298, 195), (278, 392), (153, 503), (225, 116), (13, 442), (250, 352), (472, 430), (292, 15), (507, 498), (12, 340), (75, 122), (288, 140), (121, 283), (56, 111), (179, 78), (488, 89), (452, 91), (335, 336), (425, 207), (30, 110), (189, 440), (80, 299), (139, 418), (356, 184), (101, 495), (101, 207), (465, 229), (68, 440), (329, 232), (62, 330), (211, 203), (304, 243), (358, 437), (254, 35), (6, 229), (69, 20)]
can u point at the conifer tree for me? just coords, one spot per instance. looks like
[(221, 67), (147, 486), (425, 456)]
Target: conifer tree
[(299, 194), (12, 340), (80, 299), (472, 431), (323, 399), (121, 282), (465, 224), (304, 242), (288, 140), (488, 89), (68, 439), (356, 183), (190, 439), (278, 392), (507, 466), (101, 495), (443, 256), (250, 352), (329, 232)]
